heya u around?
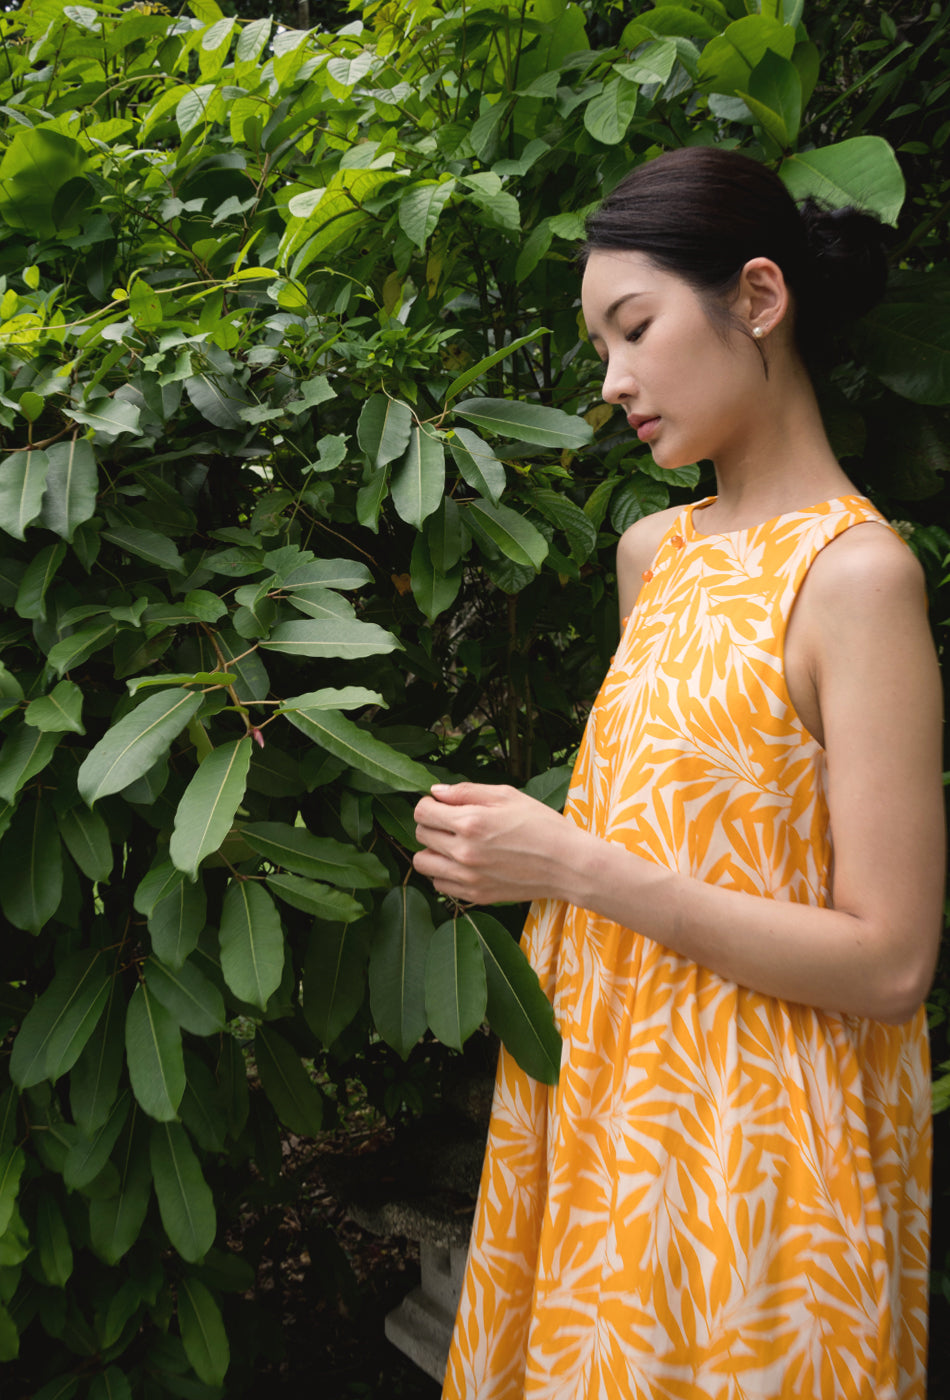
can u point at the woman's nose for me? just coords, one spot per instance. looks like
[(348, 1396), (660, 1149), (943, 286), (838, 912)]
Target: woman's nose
[(618, 383)]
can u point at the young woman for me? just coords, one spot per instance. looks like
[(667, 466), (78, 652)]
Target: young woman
[(737, 916)]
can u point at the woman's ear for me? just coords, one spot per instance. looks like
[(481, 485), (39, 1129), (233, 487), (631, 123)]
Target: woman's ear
[(763, 298)]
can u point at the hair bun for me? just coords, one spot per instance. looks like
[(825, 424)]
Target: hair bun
[(846, 264)]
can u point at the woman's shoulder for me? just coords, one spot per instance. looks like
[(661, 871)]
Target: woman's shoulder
[(636, 551), (868, 558)]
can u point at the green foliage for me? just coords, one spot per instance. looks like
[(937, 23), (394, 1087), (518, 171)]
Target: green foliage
[(300, 508)]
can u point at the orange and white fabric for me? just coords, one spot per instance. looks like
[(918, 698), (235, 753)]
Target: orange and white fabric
[(726, 1197)]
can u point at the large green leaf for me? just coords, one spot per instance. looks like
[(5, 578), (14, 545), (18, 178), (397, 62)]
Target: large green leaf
[(31, 865), (383, 429), (24, 753), (80, 645), (420, 207), (608, 115), (193, 1000), (130, 748), (727, 60), (456, 990), (516, 537), (40, 572), (325, 573), (358, 748), (775, 98), (252, 943), (905, 341), (185, 1201), (202, 1327), (528, 422), (476, 371), (418, 482), (87, 840), (311, 897), (54, 1253), (175, 909), (862, 171), (22, 483), (37, 163), (479, 466), (154, 1053), (94, 1081), (146, 544), (71, 485), (206, 811), (397, 968), (12, 1162), (89, 1154), (323, 637), (334, 976), (296, 1099), (319, 857), (518, 1010), (58, 712), (115, 1222)]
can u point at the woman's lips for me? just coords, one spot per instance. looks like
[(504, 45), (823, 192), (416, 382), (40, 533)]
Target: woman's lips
[(645, 428)]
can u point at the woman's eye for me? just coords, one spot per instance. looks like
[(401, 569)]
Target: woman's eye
[(633, 336)]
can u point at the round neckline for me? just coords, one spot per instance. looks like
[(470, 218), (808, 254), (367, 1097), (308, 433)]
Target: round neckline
[(707, 501)]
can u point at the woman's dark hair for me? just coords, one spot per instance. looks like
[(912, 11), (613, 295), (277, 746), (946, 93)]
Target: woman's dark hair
[(702, 213)]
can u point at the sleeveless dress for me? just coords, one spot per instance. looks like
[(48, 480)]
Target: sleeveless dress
[(726, 1197)]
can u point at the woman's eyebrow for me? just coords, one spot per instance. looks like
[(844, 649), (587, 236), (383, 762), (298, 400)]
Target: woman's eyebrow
[(612, 310)]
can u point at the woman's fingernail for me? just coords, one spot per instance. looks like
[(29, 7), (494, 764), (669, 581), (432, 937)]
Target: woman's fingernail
[(439, 789)]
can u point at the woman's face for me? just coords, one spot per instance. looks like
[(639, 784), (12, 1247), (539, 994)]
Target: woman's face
[(687, 390)]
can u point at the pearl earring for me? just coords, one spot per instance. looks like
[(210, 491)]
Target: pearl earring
[(758, 332)]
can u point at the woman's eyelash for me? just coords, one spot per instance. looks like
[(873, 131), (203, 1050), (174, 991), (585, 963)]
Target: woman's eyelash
[(633, 336)]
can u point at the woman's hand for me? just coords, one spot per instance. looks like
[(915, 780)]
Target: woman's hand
[(487, 845)]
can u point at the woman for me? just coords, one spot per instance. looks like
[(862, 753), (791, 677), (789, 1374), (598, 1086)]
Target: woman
[(737, 917)]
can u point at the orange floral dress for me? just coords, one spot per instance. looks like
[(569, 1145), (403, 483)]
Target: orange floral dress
[(726, 1197)]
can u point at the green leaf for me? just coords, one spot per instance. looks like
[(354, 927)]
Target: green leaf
[(22, 483), (94, 1081), (25, 753), (483, 366), (87, 840), (418, 482), (218, 398), (147, 545), (311, 897), (653, 64), (420, 207), (906, 343), (516, 537), (109, 417), (202, 1328), (297, 1101), (608, 115), (194, 1001), (323, 637), (130, 748), (175, 909), (9, 1337), (154, 1053), (350, 697), (53, 1250), (31, 866), (862, 171), (326, 573), (433, 591), (397, 968), (518, 1010), (478, 464), (203, 1107), (775, 98), (40, 572), (57, 712), (563, 513), (636, 498), (110, 1384), (727, 61), (80, 645), (359, 749), (88, 1155), (456, 990), (528, 422), (252, 943), (185, 1202), (206, 811), (116, 1222), (12, 1162), (382, 431), (71, 487), (334, 976), (319, 857)]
